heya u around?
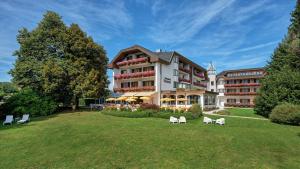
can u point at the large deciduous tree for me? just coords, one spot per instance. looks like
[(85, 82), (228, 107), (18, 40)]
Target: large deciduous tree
[(60, 61), (282, 82)]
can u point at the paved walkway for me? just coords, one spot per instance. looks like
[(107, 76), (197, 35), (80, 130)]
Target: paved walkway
[(242, 117)]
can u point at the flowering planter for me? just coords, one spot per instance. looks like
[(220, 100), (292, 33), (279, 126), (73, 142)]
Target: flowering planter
[(199, 84)]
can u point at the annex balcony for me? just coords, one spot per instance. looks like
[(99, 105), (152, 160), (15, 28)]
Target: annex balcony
[(201, 75), (241, 84), (185, 80), (199, 84), (238, 105), (132, 61), (135, 89), (135, 75), (186, 70), (239, 93)]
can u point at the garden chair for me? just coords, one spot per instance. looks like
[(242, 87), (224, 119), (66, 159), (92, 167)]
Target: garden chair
[(207, 120), (173, 120), (24, 119), (182, 119), (220, 121), (8, 119)]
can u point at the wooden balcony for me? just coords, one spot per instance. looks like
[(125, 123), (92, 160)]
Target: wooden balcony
[(239, 93), (200, 84), (241, 84), (135, 75), (185, 70), (134, 89), (132, 61), (185, 80)]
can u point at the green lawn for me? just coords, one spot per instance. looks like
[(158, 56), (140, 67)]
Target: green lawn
[(94, 140), (246, 112)]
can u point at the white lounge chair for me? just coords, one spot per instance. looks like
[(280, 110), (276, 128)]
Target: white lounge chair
[(182, 119), (207, 120), (220, 121), (8, 119), (25, 119), (173, 120)]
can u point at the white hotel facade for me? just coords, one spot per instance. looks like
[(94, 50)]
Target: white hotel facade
[(140, 72)]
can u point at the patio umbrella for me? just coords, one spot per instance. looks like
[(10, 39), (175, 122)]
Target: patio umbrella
[(145, 98), (110, 99), (133, 97), (164, 99), (182, 99), (130, 100), (121, 98)]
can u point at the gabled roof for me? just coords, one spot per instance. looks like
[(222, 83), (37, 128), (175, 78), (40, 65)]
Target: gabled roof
[(164, 57)]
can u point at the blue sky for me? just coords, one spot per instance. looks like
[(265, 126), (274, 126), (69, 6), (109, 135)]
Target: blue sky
[(230, 33)]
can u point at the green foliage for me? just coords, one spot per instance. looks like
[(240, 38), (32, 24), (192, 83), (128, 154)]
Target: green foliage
[(149, 106), (196, 110), (29, 102), (6, 90), (60, 61), (129, 114), (282, 81), (286, 113)]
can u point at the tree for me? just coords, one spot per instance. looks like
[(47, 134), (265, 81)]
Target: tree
[(60, 61), (282, 82)]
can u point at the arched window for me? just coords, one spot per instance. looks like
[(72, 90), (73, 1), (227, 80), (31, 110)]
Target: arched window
[(181, 102), (205, 100)]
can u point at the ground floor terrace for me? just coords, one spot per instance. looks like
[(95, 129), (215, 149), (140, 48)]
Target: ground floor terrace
[(178, 99)]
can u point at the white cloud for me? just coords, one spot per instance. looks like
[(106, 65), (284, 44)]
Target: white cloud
[(181, 25)]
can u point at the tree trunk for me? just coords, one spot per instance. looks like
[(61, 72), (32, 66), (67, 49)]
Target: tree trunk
[(75, 103)]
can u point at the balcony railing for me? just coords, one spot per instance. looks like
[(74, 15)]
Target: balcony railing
[(200, 84), (184, 80), (135, 75), (239, 93), (186, 70), (241, 84), (201, 75), (132, 61), (238, 105), (135, 89)]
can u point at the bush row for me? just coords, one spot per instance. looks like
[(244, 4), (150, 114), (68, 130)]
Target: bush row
[(194, 112)]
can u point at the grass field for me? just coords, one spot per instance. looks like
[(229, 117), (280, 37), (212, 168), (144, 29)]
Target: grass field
[(245, 112), (94, 140)]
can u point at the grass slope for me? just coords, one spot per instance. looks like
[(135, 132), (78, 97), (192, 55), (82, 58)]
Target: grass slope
[(94, 140), (246, 112)]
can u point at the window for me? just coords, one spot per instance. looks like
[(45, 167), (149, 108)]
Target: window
[(148, 83), (175, 72), (205, 100), (123, 71), (212, 90), (134, 84), (148, 68), (245, 101), (175, 84), (231, 101), (254, 89), (212, 83), (175, 59), (125, 84), (245, 90)]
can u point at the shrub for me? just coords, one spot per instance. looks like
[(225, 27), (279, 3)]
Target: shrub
[(129, 114), (196, 110), (149, 106), (29, 102), (286, 113)]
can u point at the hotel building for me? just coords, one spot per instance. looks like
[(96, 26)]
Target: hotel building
[(139, 72), (238, 88)]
